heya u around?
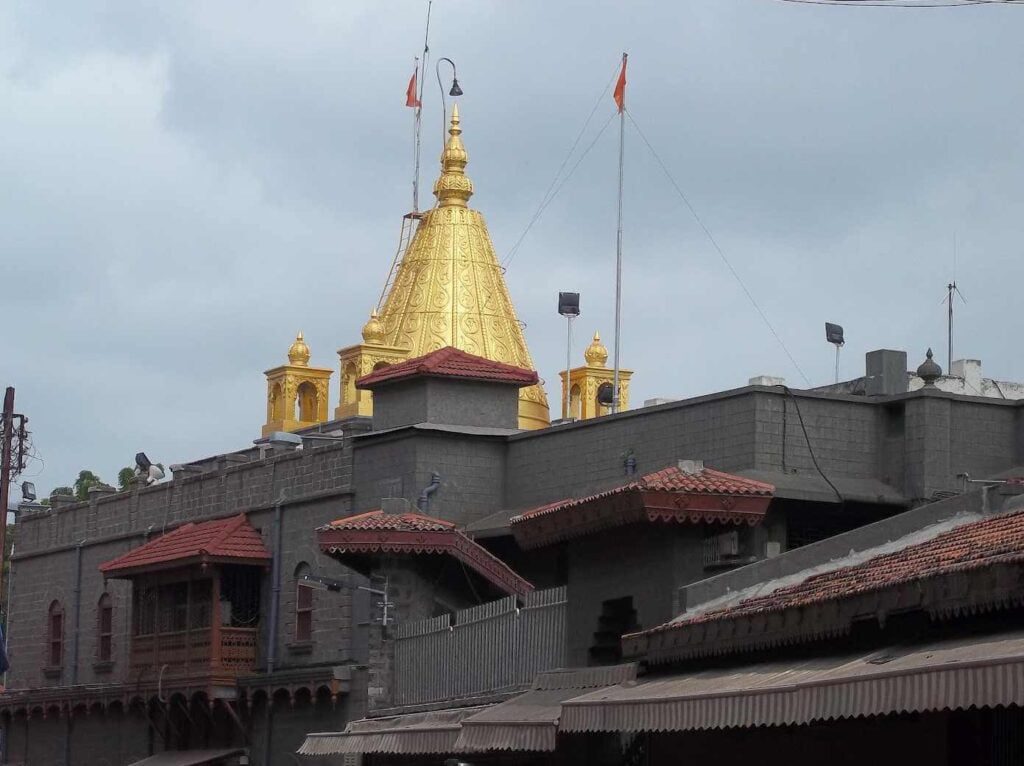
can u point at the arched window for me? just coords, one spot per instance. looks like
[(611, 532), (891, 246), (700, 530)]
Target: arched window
[(105, 629), (55, 636), (306, 402), (276, 403), (303, 606), (348, 384), (574, 402)]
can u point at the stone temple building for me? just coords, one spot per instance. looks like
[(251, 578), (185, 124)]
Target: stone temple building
[(438, 546)]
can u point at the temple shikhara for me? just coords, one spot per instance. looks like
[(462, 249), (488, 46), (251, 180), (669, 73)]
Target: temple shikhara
[(447, 289), (436, 571)]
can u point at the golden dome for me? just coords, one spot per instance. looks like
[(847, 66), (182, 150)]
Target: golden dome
[(298, 354), (453, 187), (449, 289), (373, 330), (596, 354)]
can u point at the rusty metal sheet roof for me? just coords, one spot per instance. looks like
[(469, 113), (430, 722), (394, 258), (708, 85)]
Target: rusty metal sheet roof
[(980, 671), (411, 734)]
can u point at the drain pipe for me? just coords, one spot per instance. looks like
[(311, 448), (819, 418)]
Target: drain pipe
[(275, 602), (423, 501), (77, 611)]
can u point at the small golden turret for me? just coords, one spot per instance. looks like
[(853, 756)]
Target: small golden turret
[(298, 354), (596, 354), (373, 330), (585, 383), (296, 392)]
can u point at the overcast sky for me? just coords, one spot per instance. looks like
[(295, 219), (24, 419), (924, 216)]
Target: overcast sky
[(185, 185)]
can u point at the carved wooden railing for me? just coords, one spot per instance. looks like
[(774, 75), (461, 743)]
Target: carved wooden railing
[(189, 653)]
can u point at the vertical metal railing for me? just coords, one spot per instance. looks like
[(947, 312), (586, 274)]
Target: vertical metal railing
[(494, 647)]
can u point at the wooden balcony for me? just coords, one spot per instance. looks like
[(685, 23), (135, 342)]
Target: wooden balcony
[(217, 655)]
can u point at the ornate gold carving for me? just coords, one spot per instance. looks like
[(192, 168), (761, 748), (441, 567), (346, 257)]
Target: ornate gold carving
[(449, 289), (585, 381), (284, 411)]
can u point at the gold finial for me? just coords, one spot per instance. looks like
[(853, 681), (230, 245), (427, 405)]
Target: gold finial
[(453, 188), (298, 354), (373, 330), (596, 354)]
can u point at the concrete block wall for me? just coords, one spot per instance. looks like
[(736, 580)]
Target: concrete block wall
[(571, 460), (843, 434), (472, 470)]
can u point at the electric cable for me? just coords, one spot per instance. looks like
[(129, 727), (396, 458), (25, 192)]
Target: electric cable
[(717, 247), (545, 199), (807, 440)]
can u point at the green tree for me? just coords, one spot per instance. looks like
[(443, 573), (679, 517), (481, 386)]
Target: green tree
[(61, 491), (85, 480), (125, 477)]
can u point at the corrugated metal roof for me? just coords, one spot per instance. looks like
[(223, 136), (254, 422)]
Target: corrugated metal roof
[(980, 671), (529, 722), (190, 757), (412, 734)]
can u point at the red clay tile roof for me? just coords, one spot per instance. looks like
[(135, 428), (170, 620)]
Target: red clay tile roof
[(978, 544), (393, 522), (670, 494), (450, 362), (413, 533), (231, 540)]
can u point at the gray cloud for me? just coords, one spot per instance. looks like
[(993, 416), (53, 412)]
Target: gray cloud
[(186, 185)]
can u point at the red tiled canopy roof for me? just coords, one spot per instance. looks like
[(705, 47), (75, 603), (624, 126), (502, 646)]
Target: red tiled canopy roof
[(413, 533), (995, 540), (230, 541), (450, 362), (669, 495)]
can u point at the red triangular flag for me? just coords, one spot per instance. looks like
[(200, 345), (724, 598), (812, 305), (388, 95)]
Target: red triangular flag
[(620, 87), (410, 92)]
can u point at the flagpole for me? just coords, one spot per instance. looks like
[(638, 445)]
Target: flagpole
[(416, 150), (618, 248), (420, 72)]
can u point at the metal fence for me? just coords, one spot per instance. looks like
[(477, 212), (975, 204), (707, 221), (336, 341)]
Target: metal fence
[(489, 648)]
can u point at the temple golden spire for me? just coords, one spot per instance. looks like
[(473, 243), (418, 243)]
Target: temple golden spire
[(449, 289), (453, 187)]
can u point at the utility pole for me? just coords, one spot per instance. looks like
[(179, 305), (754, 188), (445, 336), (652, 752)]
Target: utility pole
[(5, 473)]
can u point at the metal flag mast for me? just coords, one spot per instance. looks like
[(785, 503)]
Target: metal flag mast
[(410, 219), (620, 99), (421, 68)]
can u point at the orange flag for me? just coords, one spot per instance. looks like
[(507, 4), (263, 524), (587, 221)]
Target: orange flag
[(410, 92), (620, 87)]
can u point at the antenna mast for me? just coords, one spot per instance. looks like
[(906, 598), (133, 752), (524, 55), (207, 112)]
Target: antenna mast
[(951, 290)]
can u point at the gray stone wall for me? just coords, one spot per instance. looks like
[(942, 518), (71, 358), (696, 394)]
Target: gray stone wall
[(315, 484)]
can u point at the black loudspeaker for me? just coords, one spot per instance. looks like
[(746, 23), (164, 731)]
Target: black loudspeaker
[(569, 304)]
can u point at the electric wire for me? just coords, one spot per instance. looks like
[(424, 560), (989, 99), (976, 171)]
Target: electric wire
[(807, 440), (717, 247), (543, 207), (545, 199)]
